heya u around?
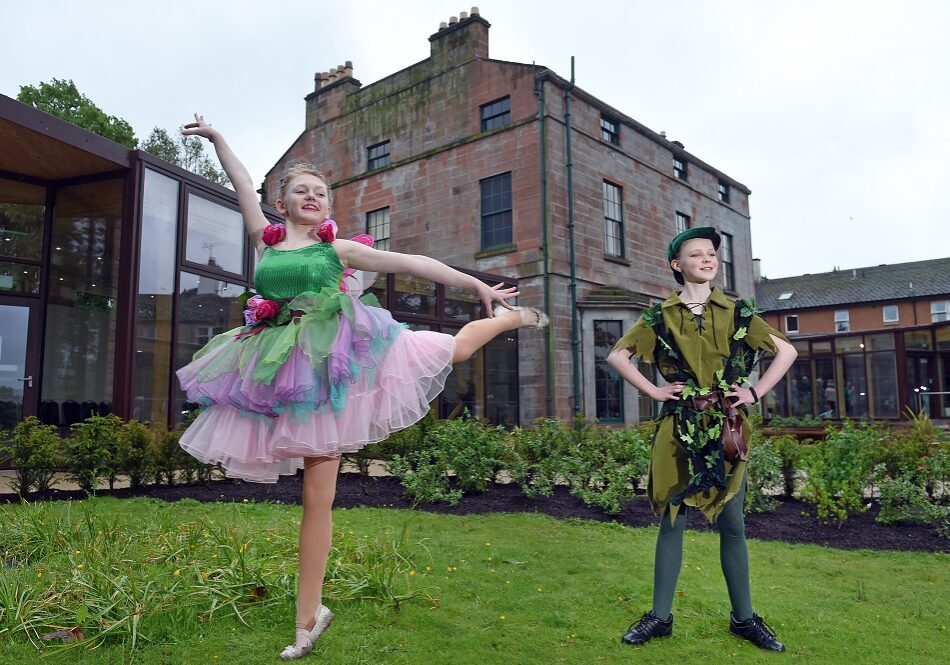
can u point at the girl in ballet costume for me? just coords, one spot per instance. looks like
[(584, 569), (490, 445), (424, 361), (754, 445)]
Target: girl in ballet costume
[(318, 371)]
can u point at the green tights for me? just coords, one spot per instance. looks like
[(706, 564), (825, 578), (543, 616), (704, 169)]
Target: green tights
[(733, 557)]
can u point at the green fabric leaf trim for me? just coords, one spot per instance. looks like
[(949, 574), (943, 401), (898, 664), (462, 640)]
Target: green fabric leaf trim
[(740, 333)]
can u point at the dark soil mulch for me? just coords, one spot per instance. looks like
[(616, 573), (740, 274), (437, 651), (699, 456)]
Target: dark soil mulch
[(793, 522)]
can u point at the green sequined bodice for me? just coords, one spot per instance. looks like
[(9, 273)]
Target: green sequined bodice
[(288, 273)]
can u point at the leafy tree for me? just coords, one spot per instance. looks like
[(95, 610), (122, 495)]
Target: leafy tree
[(187, 152), (62, 99)]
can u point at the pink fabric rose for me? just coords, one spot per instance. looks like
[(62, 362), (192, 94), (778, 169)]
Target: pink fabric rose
[(266, 309), (327, 231), (273, 234)]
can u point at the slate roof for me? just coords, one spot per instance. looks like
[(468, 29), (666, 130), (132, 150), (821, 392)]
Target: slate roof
[(856, 285)]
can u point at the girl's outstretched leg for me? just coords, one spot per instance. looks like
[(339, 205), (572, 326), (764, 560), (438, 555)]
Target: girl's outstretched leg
[(316, 534), (476, 334)]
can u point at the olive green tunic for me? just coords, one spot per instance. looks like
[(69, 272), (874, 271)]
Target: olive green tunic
[(704, 353)]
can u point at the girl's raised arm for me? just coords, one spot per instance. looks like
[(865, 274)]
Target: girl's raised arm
[(254, 219)]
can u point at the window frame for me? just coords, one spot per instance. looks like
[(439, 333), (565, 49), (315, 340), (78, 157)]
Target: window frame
[(609, 134), (725, 192), (788, 327), (941, 313), (897, 314), (842, 320), (497, 118), (728, 262), (686, 221), (610, 380), (681, 168), (381, 243), (609, 222), (483, 214), (380, 159)]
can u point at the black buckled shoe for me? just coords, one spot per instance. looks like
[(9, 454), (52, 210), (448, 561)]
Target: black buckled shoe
[(648, 627), (756, 631)]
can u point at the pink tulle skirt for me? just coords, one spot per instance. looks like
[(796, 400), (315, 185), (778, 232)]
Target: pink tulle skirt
[(338, 377)]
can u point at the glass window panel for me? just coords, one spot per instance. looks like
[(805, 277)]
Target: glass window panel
[(823, 346), (608, 386), (14, 333), (464, 386), (852, 369), (882, 342), (826, 391), (496, 210), (19, 277), (461, 304), (802, 348), (891, 314), (802, 386), (883, 382), (377, 225), (154, 303), (849, 344), (775, 402), (22, 213), (215, 235), (501, 379), (414, 295), (206, 307), (917, 339), (943, 339), (79, 351)]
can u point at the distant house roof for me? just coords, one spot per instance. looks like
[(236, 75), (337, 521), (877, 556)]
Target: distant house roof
[(856, 285)]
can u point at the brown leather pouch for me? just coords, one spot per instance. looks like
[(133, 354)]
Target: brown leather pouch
[(734, 445)]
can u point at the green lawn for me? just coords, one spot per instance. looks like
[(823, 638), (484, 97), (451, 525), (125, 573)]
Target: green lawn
[(487, 589)]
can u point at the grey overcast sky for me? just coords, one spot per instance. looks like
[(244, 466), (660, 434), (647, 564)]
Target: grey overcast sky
[(835, 113)]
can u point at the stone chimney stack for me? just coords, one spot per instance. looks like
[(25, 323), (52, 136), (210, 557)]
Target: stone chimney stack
[(331, 88), (462, 38)]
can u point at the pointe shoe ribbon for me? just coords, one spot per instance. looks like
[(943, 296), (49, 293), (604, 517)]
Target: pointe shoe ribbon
[(324, 617)]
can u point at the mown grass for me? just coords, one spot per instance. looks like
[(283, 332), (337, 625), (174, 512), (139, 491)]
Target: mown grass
[(412, 587)]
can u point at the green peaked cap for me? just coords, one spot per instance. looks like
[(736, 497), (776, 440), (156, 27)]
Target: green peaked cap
[(707, 232)]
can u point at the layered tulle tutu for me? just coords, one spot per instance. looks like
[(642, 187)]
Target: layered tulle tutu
[(341, 375)]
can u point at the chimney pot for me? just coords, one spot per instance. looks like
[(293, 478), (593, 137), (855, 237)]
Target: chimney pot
[(443, 25), (463, 16), (474, 11), (453, 20), (348, 68), (348, 63)]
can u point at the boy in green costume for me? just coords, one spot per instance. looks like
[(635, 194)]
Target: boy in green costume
[(704, 346)]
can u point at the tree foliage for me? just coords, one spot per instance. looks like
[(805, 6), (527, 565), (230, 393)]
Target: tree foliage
[(187, 152), (62, 99)]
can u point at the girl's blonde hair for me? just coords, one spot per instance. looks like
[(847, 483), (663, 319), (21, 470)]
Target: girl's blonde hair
[(302, 168)]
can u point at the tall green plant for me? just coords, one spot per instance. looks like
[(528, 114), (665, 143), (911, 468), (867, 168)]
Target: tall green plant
[(603, 465), (133, 447), (536, 453), (91, 451), (167, 456), (763, 476), (838, 469), (35, 451)]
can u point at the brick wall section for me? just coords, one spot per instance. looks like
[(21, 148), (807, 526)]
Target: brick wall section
[(862, 317), (430, 114)]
